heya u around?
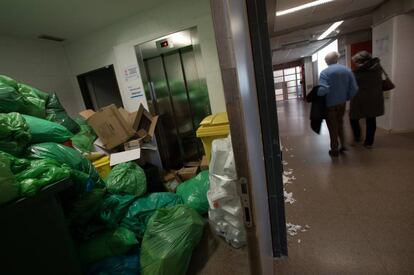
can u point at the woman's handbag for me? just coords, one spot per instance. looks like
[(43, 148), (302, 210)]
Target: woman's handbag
[(387, 84)]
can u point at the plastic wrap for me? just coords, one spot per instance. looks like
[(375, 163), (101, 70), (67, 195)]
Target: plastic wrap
[(136, 219), (83, 140), (65, 155), (29, 91), (194, 192), (114, 208), (170, 238), (127, 179), (117, 265), (11, 100), (16, 164), (14, 133), (225, 212), (84, 208), (8, 81), (56, 113), (107, 244), (46, 131), (9, 189), (39, 174)]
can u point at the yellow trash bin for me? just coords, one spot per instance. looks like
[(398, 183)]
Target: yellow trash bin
[(102, 166), (211, 128)]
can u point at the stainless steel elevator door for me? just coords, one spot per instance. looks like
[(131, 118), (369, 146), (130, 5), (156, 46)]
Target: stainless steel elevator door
[(167, 135), (181, 100)]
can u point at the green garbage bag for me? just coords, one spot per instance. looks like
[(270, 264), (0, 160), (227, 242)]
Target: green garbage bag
[(83, 209), (29, 91), (110, 243), (136, 219), (194, 192), (39, 174), (83, 140), (16, 164), (43, 130), (14, 133), (9, 189), (114, 208), (13, 101), (8, 81), (127, 178), (56, 113), (170, 238), (66, 155)]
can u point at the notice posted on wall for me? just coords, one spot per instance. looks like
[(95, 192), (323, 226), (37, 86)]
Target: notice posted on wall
[(131, 73), (133, 87)]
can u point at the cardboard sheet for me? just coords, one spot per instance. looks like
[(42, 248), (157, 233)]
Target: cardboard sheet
[(125, 156)]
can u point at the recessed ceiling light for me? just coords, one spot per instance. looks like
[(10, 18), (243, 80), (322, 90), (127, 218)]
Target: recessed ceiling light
[(330, 29), (302, 7)]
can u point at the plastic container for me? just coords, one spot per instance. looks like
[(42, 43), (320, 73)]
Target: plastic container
[(211, 128), (102, 166)]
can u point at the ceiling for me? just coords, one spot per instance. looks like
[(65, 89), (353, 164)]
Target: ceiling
[(67, 19), (295, 35)]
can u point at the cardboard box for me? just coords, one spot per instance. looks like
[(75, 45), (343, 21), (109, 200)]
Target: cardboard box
[(171, 181), (204, 163), (187, 173), (110, 126), (129, 117), (192, 164), (145, 123), (133, 144), (87, 113)]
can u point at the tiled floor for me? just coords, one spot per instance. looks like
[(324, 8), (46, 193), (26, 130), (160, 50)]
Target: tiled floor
[(360, 207)]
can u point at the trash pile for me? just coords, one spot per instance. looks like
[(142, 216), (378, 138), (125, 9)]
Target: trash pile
[(118, 225), (225, 212), (288, 178)]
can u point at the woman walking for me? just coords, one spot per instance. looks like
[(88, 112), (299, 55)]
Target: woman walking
[(368, 103)]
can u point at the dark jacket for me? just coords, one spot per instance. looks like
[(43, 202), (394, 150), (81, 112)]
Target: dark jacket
[(369, 101), (318, 109)]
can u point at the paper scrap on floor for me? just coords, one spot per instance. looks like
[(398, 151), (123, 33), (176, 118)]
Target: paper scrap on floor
[(295, 229)]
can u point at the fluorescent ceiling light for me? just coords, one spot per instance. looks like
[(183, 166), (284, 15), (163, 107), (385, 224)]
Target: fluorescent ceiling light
[(330, 29), (302, 7)]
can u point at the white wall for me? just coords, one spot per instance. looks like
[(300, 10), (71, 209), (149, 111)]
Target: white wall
[(393, 43), (41, 64), (114, 44), (403, 96)]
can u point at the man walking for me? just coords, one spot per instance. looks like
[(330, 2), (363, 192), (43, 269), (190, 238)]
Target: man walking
[(338, 83)]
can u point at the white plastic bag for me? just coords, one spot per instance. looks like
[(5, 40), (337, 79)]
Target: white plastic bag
[(225, 212)]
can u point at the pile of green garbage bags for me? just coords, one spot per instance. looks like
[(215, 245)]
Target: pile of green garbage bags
[(24, 99), (118, 227)]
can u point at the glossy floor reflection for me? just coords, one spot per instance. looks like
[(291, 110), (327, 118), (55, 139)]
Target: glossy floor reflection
[(360, 207)]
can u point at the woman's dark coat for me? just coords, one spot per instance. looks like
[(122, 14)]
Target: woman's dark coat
[(369, 101)]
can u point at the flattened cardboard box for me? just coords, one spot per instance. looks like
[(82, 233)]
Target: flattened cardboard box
[(204, 163), (187, 173), (110, 126), (145, 123)]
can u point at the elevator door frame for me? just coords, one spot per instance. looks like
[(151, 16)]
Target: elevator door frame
[(154, 103)]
